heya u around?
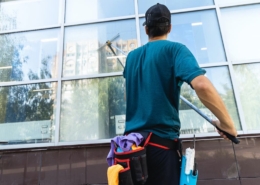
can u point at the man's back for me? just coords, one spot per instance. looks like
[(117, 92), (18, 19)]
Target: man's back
[(154, 74)]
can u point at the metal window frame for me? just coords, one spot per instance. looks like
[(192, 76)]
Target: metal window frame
[(62, 26)]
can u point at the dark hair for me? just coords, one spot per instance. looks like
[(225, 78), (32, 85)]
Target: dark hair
[(154, 31)]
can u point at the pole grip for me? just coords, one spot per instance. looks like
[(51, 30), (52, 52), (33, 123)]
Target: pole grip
[(232, 138)]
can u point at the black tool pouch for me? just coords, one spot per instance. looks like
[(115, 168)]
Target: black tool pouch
[(135, 165), (134, 160)]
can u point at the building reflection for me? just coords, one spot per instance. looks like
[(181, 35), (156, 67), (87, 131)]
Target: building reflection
[(83, 58)]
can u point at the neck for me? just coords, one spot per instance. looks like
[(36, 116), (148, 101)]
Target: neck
[(163, 37)]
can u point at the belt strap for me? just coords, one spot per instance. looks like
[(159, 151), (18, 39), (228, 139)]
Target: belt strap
[(152, 139), (166, 143)]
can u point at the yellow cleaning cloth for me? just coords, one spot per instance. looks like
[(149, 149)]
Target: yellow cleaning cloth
[(112, 174)]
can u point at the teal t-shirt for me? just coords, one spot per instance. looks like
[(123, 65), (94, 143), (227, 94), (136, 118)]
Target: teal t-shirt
[(153, 75)]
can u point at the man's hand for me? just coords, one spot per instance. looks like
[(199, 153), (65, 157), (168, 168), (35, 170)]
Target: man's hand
[(231, 130)]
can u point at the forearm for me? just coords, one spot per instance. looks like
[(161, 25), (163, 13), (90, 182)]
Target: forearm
[(211, 99)]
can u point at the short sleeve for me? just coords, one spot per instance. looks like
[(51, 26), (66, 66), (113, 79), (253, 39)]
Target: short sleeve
[(186, 67)]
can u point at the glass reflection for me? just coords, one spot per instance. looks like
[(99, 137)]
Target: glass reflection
[(248, 79), (173, 4), (28, 55), (88, 10), (242, 31), (27, 113), (85, 50), (194, 123), (17, 14), (199, 31), (90, 108)]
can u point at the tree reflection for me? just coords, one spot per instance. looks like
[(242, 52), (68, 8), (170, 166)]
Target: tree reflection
[(248, 80), (23, 103), (31, 102), (88, 107)]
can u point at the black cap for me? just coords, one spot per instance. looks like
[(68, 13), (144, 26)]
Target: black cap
[(156, 12)]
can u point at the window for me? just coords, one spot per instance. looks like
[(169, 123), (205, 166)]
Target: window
[(199, 31), (242, 32), (90, 107), (229, 2), (29, 55), (173, 4), (91, 40), (17, 14), (247, 76), (27, 113), (89, 10)]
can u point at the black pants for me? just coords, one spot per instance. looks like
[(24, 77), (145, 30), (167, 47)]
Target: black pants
[(163, 166)]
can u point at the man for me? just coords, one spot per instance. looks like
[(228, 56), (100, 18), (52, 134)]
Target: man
[(154, 74)]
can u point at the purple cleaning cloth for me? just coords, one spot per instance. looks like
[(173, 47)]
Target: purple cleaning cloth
[(125, 143)]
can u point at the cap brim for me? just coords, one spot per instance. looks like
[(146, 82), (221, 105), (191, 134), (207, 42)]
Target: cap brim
[(144, 23)]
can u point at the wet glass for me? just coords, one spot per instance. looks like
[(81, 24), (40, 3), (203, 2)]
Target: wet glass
[(25, 14), (29, 55), (199, 31), (248, 79), (27, 113), (242, 32), (192, 122), (92, 109), (86, 52), (90, 10), (173, 4)]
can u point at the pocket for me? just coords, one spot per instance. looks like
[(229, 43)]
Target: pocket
[(136, 160), (125, 177), (138, 167)]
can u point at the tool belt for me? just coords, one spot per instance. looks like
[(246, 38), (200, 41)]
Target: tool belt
[(134, 162)]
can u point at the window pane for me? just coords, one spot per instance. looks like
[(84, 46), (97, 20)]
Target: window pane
[(85, 50), (28, 55), (91, 107), (242, 31), (192, 121), (25, 14), (227, 2), (88, 10), (173, 4), (199, 31), (248, 79), (26, 113)]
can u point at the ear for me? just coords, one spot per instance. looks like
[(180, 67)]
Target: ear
[(170, 29), (146, 30)]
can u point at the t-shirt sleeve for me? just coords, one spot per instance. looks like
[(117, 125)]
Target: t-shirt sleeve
[(186, 67)]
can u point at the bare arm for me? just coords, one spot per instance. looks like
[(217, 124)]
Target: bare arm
[(211, 99)]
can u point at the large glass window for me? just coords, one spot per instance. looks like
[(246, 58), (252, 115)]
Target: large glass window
[(25, 14), (248, 79), (92, 109), (242, 32), (173, 4), (199, 31), (89, 10), (228, 2), (86, 52), (27, 113), (193, 122), (29, 55)]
